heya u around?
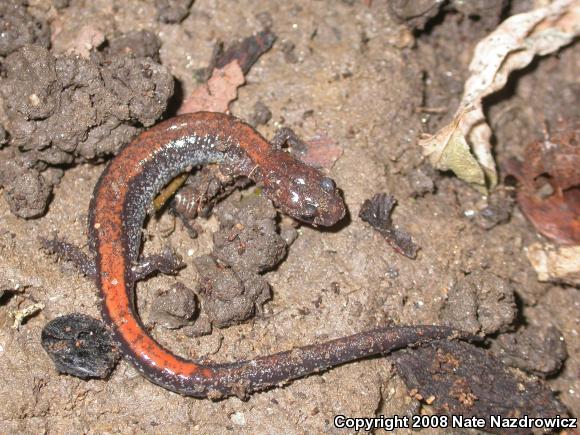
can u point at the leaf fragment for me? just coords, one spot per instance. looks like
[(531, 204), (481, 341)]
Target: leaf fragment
[(464, 143)]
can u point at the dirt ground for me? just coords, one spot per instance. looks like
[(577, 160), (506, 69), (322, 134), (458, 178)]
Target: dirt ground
[(361, 78)]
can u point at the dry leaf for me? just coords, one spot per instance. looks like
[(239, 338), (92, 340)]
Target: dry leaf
[(319, 152), (549, 190), (219, 91), (510, 47), (555, 263), (556, 217), (377, 212), (450, 150), (247, 51)]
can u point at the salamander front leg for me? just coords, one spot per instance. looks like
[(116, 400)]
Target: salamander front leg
[(286, 136)]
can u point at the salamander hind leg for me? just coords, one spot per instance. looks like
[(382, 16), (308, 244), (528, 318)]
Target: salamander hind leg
[(167, 263)]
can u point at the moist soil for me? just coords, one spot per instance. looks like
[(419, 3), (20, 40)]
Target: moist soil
[(356, 72)]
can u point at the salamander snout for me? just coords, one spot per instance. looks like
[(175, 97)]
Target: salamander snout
[(316, 201), (303, 192)]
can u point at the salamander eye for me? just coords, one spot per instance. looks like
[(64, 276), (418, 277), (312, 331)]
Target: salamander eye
[(309, 212), (328, 184)]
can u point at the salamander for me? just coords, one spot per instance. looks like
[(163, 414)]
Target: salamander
[(123, 197)]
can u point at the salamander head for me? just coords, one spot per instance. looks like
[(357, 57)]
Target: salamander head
[(305, 194)]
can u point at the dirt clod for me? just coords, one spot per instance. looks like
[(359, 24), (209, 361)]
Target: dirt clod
[(67, 109), (248, 238), (174, 307), (246, 245), (229, 296), (496, 210), (482, 302), (18, 28), (201, 326), (142, 43), (261, 115), (25, 189), (201, 192), (414, 13), (536, 350), (172, 11), (60, 4), (421, 181)]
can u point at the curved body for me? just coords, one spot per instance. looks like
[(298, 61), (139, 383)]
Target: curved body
[(119, 206)]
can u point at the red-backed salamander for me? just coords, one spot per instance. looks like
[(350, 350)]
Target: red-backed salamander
[(118, 209)]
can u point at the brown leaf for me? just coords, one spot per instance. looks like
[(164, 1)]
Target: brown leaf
[(556, 217), (219, 91), (320, 152), (549, 194)]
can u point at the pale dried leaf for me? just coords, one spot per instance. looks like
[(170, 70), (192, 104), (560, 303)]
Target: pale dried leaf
[(510, 47), (452, 153), (555, 263)]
